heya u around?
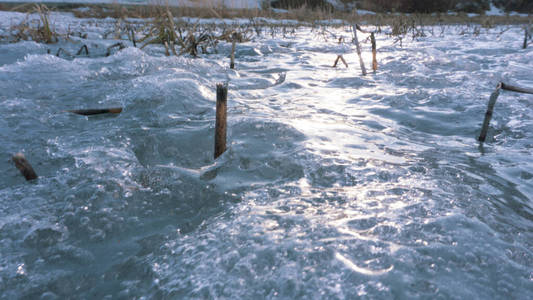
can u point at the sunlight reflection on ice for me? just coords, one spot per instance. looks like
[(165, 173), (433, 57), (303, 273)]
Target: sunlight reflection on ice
[(365, 271)]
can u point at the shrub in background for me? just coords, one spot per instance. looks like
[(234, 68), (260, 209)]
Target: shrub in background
[(313, 4), (476, 6), (425, 6), (515, 5)]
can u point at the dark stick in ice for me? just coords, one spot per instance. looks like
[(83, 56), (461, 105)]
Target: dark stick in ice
[(488, 114), (526, 35), (88, 112), (119, 45), (24, 166), (232, 57), (84, 47), (374, 60), (220, 123), (516, 89), (64, 51), (133, 37)]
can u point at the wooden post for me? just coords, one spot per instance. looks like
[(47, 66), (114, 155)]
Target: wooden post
[(232, 57), (24, 166), (374, 60), (220, 123), (488, 114), (358, 47)]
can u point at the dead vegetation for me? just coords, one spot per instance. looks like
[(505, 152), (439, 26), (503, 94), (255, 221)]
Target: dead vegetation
[(303, 14), (179, 36), (35, 29), (191, 39)]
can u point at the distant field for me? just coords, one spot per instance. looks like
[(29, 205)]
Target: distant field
[(144, 9)]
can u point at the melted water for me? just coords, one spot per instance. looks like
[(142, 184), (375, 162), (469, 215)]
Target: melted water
[(334, 185)]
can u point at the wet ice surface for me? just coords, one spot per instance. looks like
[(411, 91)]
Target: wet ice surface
[(334, 185)]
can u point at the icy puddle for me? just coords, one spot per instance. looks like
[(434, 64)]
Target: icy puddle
[(334, 186)]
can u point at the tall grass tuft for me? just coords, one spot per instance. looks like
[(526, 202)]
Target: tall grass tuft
[(47, 35), (38, 30)]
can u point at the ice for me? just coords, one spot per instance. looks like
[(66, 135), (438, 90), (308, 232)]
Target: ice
[(334, 185)]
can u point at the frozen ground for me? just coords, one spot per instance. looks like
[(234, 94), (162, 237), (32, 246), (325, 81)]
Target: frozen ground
[(334, 186)]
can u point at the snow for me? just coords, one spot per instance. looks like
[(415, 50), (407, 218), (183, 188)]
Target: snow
[(365, 12), (494, 11), (514, 13)]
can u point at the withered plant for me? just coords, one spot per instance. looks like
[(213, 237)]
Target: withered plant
[(38, 30)]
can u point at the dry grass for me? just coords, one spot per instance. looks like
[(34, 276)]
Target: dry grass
[(162, 27), (303, 14), (39, 30), (192, 39)]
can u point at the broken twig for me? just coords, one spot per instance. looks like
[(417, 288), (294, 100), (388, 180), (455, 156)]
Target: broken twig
[(492, 102), (119, 45), (64, 51), (84, 47), (516, 89)]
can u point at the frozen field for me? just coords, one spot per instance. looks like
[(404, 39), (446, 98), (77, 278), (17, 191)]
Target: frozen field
[(335, 185)]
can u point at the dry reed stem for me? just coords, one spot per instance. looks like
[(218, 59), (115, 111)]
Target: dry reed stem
[(41, 33), (488, 114), (167, 53), (132, 34), (374, 50), (64, 51), (516, 89), (232, 56), (339, 57), (84, 47), (221, 119), (526, 35), (358, 48), (119, 45), (173, 48)]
